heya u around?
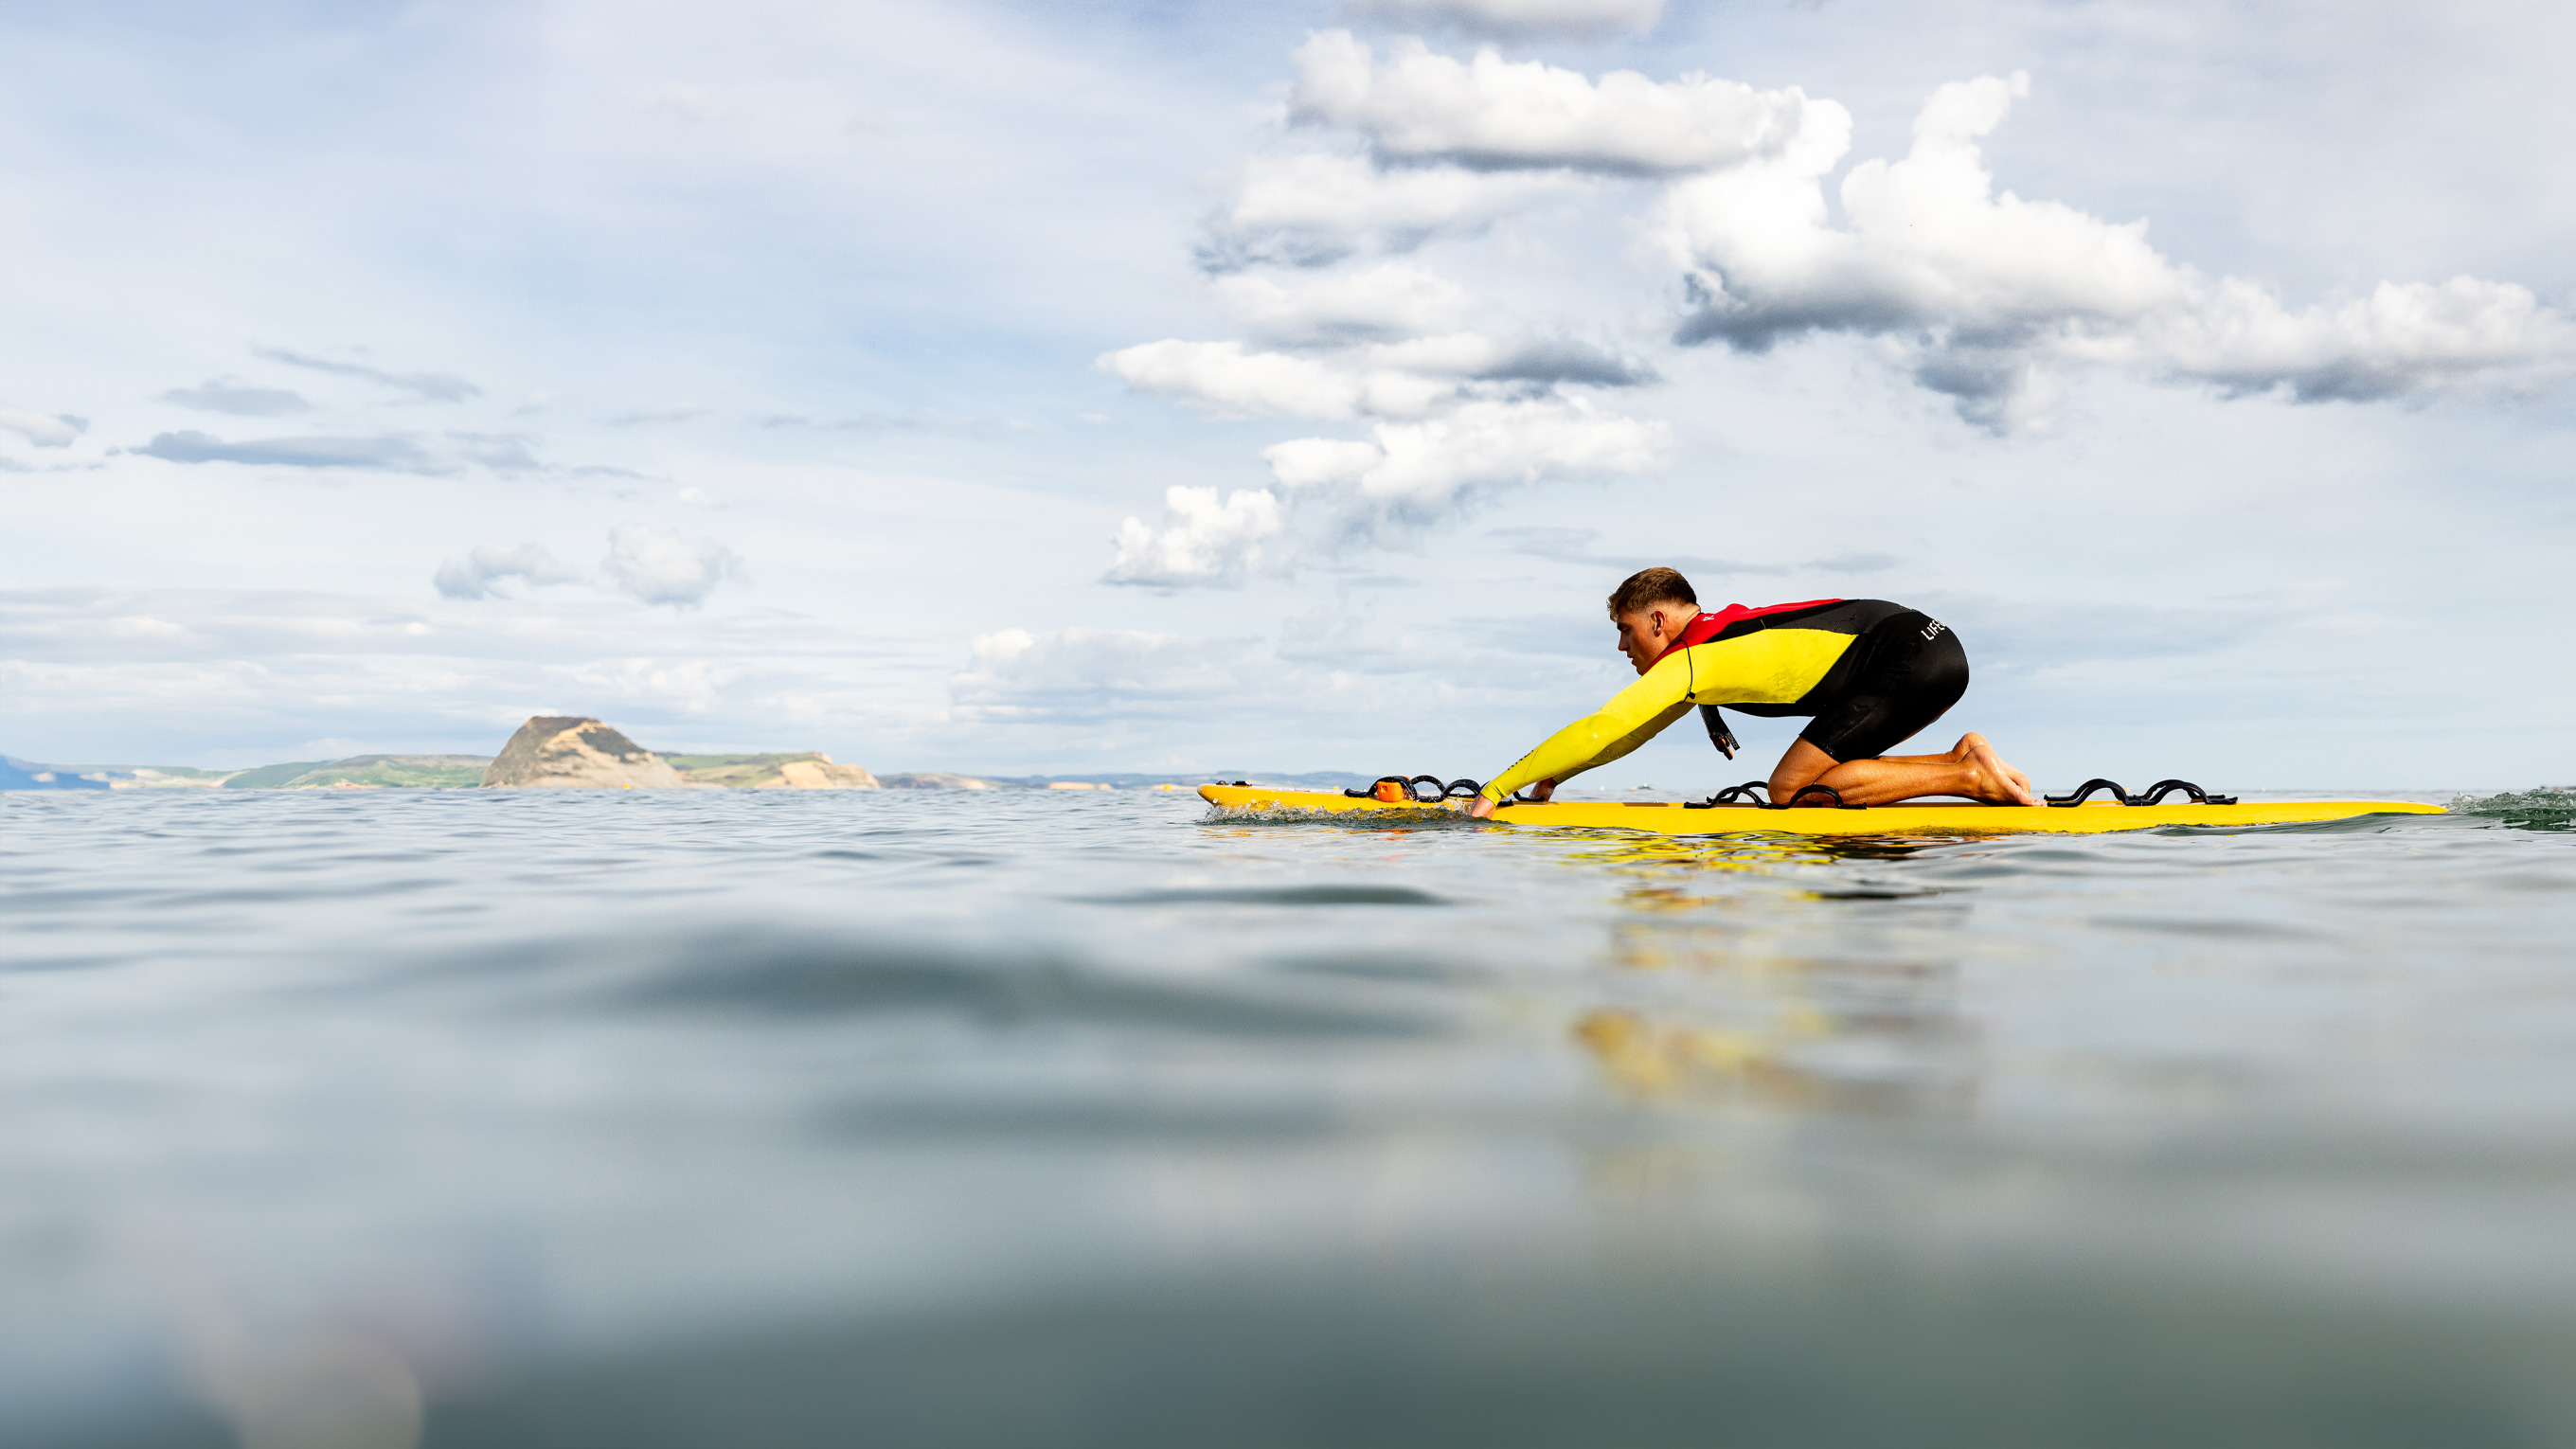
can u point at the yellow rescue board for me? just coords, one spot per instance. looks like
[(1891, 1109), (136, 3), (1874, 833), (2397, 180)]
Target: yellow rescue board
[(1666, 817)]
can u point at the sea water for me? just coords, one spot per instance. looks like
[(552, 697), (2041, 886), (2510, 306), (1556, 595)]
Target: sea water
[(359, 1118)]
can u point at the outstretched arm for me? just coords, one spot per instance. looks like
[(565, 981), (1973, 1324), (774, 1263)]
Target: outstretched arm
[(1482, 807), (1633, 716)]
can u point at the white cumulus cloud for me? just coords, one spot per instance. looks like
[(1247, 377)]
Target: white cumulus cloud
[(1309, 209), (485, 567), (1222, 379), (1401, 476), (1200, 541), (1488, 112), (1409, 379), (1986, 292), (1480, 357), (667, 568), (2405, 337), (1986, 297), (1419, 470), (1393, 299)]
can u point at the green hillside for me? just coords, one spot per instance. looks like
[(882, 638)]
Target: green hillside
[(272, 777), (384, 772)]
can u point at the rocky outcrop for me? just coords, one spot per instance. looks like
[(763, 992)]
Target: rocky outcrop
[(575, 752)]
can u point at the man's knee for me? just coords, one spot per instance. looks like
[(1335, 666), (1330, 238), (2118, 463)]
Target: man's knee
[(1804, 764)]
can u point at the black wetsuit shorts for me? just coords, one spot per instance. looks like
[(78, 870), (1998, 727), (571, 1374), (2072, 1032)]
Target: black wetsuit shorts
[(1901, 674)]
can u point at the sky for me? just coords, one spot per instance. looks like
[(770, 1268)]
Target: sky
[(1050, 388)]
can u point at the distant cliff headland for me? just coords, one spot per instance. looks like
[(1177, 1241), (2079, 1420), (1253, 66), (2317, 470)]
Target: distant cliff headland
[(575, 752), (580, 753), (548, 752)]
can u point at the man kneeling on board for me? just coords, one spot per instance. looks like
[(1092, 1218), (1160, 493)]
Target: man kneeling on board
[(1871, 672)]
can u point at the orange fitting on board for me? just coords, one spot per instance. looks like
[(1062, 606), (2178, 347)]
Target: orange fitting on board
[(1392, 792)]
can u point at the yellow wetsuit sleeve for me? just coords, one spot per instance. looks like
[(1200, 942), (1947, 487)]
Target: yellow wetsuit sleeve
[(1633, 716)]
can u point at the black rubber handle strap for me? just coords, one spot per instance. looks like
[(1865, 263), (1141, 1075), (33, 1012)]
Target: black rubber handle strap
[(1752, 790), (1804, 792), (2156, 793), (2153, 795), (1412, 787)]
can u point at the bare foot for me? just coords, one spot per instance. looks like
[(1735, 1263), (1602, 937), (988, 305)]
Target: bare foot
[(1995, 782)]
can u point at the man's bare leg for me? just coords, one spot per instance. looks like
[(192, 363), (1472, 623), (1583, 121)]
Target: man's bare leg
[(1971, 768)]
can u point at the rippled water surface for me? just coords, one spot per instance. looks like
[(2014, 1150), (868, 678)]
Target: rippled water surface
[(638, 1119)]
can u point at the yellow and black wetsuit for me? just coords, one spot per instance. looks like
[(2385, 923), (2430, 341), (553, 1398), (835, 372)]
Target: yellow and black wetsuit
[(1871, 672)]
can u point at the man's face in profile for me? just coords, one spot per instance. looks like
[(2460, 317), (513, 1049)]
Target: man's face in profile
[(1644, 634)]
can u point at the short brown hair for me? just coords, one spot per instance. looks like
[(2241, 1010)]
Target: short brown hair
[(1649, 587)]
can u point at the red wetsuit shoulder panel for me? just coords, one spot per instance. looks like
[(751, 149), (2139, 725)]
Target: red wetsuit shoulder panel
[(1709, 626)]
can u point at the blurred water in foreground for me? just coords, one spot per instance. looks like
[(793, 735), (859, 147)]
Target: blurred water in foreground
[(1051, 1118)]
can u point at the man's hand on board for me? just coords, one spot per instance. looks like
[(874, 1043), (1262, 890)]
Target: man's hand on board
[(1483, 809)]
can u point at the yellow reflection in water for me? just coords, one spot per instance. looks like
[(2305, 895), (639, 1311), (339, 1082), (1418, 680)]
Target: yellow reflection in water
[(1769, 1001), (1621, 848), (1769, 1065)]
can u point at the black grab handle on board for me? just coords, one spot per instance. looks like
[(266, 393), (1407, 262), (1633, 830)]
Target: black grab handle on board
[(1452, 790), (2153, 795), (1752, 790), (1804, 791), (2156, 793)]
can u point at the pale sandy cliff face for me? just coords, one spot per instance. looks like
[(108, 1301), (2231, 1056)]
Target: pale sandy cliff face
[(569, 752), (808, 770), (819, 774)]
